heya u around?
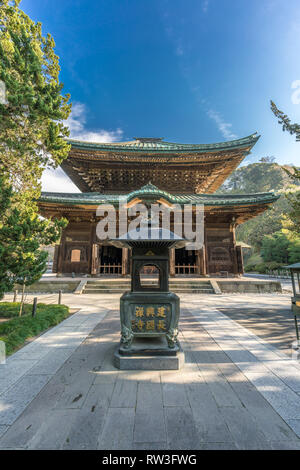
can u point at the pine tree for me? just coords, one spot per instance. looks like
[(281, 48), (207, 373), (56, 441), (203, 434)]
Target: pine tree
[(32, 138), (32, 130), (285, 122), (21, 235), (293, 220)]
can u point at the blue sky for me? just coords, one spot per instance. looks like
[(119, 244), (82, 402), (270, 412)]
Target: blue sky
[(192, 71)]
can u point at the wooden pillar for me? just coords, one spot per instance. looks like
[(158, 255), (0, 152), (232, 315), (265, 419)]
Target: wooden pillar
[(124, 261), (235, 262), (201, 262), (94, 253), (234, 253), (94, 260), (172, 262), (204, 261), (240, 259), (55, 258), (198, 262), (60, 259)]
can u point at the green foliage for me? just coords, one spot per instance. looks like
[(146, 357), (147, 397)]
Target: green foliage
[(32, 129), (32, 137), (253, 261), (281, 249), (16, 331), (21, 235), (264, 176), (260, 268), (293, 222), (294, 251), (263, 268), (271, 221), (11, 309), (285, 121), (275, 248)]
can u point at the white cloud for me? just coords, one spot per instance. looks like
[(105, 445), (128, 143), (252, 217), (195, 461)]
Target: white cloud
[(205, 5), (224, 127), (296, 95), (57, 180), (77, 122), (179, 50)]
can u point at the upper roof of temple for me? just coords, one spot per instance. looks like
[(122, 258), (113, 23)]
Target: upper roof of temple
[(157, 144), (120, 167)]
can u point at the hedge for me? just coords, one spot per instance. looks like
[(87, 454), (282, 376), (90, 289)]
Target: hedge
[(17, 330)]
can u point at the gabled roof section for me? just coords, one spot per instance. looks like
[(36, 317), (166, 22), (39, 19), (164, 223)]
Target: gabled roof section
[(94, 199), (120, 167), (79, 205)]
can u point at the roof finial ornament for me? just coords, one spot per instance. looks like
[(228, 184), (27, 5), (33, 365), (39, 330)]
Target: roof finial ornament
[(150, 187), (149, 139)]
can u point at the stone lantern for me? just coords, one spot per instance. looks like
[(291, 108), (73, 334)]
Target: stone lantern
[(295, 275), (149, 313)]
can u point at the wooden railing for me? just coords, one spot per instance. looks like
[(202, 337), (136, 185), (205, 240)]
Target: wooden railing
[(110, 268), (186, 269)]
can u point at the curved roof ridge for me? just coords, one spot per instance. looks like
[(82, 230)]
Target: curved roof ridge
[(206, 199), (148, 144), (226, 195)]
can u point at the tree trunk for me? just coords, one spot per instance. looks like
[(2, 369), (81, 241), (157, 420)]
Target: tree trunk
[(22, 299)]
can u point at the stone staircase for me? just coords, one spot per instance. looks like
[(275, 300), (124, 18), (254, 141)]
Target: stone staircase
[(194, 286), (116, 286)]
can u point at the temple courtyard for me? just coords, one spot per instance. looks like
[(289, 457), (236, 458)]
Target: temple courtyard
[(239, 387)]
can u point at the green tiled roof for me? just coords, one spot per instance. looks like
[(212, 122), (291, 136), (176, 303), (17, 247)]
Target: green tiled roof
[(293, 266), (94, 199), (143, 144)]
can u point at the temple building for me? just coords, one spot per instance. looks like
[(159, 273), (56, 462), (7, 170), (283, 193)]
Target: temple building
[(150, 170)]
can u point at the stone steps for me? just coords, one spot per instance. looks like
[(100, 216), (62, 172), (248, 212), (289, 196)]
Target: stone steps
[(115, 287)]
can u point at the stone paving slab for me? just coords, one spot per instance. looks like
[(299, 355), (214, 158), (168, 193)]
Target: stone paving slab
[(212, 403), (11, 372), (209, 421), (84, 430), (3, 430), (269, 422), (53, 432), (276, 324), (149, 425), (273, 374), (118, 429), (28, 370), (16, 401), (149, 395), (182, 432), (244, 429)]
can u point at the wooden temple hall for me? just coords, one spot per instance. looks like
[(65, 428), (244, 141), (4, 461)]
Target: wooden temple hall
[(152, 170)]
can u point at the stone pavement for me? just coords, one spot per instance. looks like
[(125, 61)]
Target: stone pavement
[(275, 325), (235, 391)]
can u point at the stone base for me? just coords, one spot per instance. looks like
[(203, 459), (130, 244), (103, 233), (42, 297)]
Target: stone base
[(149, 354)]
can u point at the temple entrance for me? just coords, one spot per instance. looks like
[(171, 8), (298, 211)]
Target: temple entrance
[(149, 276), (110, 260), (185, 262)]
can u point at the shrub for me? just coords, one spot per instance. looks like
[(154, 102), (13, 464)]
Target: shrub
[(17, 330), (261, 268)]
